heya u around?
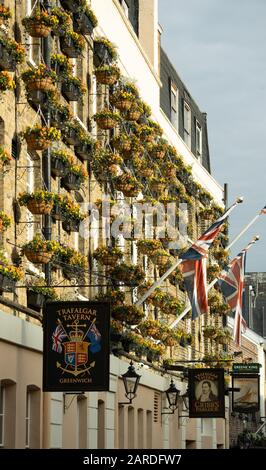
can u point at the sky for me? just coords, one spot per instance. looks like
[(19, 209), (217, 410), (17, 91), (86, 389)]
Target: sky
[(218, 48)]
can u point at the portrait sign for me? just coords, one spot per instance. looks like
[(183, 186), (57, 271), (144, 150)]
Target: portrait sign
[(206, 393), (76, 346), (247, 399)]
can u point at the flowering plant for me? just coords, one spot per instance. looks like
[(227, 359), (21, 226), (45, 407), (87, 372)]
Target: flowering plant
[(70, 209), (15, 49), (47, 133), (69, 256), (71, 80), (5, 157), (63, 20), (128, 273), (77, 39), (39, 195), (10, 271), (108, 70), (5, 221), (65, 157), (38, 244), (60, 60), (42, 71), (106, 113), (115, 296), (101, 252), (78, 170), (38, 285), (5, 12), (6, 81), (41, 17), (109, 46), (148, 246)]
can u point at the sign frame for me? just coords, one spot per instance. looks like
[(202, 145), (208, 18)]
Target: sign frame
[(206, 393), (76, 354), (253, 379)]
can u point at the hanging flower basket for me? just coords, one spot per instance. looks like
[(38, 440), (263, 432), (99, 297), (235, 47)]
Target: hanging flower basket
[(84, 151), (72, 181), (40, 23), (72, 44), (73, 89), (39, 251), (56, 211), (11, 53), (128, 314), (134, 113), (108, 256), (84, 21), (122, 143), (40, 138), (128, 274), (160, 257), (42, 257), (35, 299), (39, 203), (107, 74), (123, 101), (107, 119), (104, 51), (60, 161)]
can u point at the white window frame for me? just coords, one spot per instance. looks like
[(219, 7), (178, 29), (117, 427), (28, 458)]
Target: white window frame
[(30, 40), (174, 104), (28, 420), (198, 140), (2, 414), (30, 189), (125, 7), (187, 124)]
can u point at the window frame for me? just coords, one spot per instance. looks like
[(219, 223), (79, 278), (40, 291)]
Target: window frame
[(187, 124), (174, 95), (198, 127)]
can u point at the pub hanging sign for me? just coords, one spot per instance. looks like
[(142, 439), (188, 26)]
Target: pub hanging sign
[(206, 393), (76, 346)]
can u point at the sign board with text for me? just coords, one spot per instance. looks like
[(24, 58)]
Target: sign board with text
[(206, 393), (251, 368), (76, 346)]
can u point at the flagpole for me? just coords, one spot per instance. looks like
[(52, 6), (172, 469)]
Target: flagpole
[(239, 200), (187, 309)]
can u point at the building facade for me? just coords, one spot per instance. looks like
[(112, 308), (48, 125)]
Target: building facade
[(255, 302), (137, 136)]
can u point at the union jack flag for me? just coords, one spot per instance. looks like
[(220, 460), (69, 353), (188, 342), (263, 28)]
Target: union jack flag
[(231, 283), (194, 268), (57, 337)]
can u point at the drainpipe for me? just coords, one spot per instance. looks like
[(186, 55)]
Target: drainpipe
[(46, 159)]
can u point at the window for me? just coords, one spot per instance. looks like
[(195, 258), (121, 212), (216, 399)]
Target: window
[(125, 7), (27, 418), (198, 140), (30, 189), (174, 105), (34, 44), (187, 124), (2, 414)]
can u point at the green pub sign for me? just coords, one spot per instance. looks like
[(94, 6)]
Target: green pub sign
[(252, 368)]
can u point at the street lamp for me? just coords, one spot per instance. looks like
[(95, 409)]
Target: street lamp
[(131, 381), (172, 395)]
